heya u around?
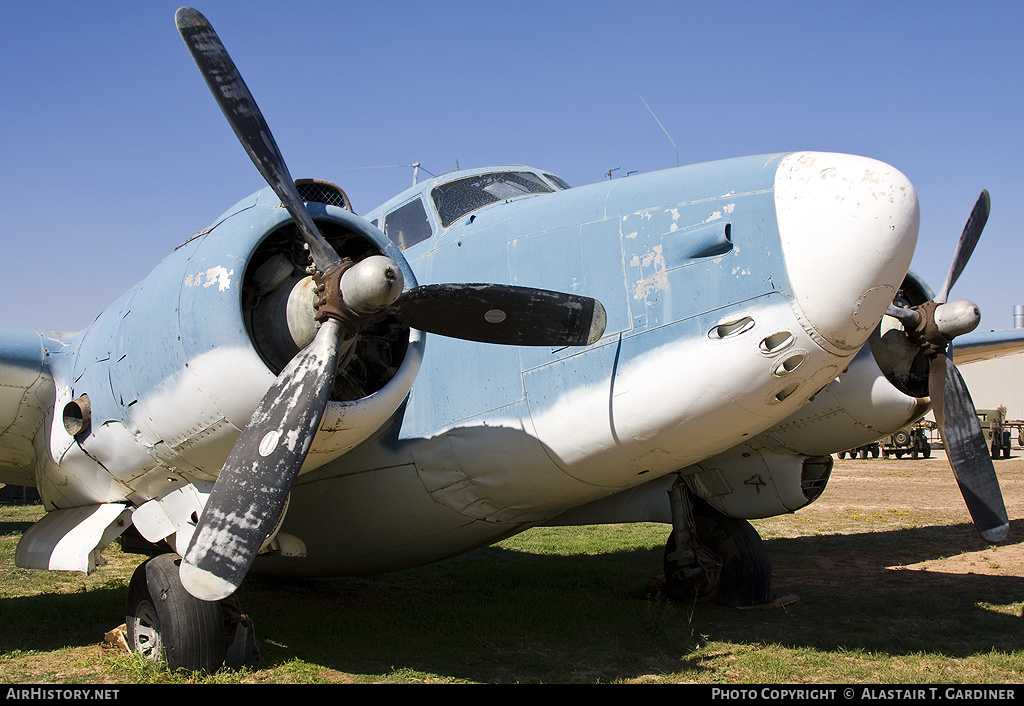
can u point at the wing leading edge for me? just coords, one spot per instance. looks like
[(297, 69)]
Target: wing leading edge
[(26, 397), (986, 345)]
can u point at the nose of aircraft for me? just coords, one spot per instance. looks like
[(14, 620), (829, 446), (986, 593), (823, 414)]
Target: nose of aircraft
[(848, 227)]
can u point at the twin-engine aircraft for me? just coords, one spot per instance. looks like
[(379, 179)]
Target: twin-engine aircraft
[(300, 391)]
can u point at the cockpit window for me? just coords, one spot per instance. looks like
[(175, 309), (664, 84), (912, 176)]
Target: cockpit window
[(457, 198), (407, 225), (558, 181)]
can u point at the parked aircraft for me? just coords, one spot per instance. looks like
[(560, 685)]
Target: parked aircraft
[(297, 390)]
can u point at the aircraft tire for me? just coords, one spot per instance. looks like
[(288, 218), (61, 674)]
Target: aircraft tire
[(746, 576), (165, 623)]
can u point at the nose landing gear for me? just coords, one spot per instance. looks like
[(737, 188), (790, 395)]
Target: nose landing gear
[(714, 558)]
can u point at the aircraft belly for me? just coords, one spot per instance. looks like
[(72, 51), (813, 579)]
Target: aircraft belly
[(527, 462), (375, 521), (402, 502)]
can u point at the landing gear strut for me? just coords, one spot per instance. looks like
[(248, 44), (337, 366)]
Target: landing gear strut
[(710, 557), (167, 625)]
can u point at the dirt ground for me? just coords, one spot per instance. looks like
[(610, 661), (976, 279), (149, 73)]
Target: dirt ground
[(921, 496)]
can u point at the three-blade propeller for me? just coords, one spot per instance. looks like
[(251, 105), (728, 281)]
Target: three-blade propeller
[(249, 496), (934, 325)]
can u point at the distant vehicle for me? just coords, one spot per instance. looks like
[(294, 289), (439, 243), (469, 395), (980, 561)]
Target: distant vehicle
[(864, 451), (997, 433), (911, 441)]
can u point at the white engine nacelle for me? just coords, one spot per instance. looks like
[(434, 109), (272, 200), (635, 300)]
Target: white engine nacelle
[(884, 389), (750, 481), (859, 407)]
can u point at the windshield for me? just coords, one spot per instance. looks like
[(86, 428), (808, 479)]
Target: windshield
[(457, 198)]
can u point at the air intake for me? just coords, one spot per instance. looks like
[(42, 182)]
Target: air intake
[(815, 474), (318, 191)]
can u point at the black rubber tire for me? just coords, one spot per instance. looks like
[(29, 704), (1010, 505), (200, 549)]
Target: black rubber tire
[(167, 624), (746, 568)]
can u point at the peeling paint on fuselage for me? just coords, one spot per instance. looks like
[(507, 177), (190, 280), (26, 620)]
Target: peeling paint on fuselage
[(220, 276)]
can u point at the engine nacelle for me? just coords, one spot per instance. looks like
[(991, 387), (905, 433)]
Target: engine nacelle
[(885, 388), (158, 389), (749, 481)]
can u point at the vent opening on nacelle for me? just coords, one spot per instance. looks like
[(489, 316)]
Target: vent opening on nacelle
[(319, 191), (814, 476)]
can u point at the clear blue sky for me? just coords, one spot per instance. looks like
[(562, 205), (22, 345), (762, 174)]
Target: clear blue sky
[(114, 152)]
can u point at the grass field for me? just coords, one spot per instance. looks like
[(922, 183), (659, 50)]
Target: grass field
[(894, 586)]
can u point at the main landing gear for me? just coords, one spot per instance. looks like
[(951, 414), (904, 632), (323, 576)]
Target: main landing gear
[(714, 558), (167, 625)]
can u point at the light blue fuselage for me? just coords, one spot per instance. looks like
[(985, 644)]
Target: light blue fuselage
[(706, 346)]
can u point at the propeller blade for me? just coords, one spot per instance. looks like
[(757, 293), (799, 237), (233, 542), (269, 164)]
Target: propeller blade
[(503, 314), (965, 446), (245, 118), (252, 488), (968, 240), (908, 317), (933, 325)]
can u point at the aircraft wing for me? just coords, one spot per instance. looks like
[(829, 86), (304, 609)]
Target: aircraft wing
[(977, 346), (26, 397)]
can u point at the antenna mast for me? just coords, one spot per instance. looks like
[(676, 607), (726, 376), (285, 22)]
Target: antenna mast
[(662, 128)]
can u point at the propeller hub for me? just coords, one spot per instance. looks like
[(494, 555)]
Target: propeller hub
[(372, 284), (357, 294), (957, 317), (937, 323)]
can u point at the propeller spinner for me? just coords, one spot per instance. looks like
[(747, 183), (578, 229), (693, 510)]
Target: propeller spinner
[(933, 326), (250, 493)]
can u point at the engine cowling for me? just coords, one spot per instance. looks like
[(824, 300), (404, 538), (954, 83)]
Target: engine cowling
[(885, 388), (174, 369)]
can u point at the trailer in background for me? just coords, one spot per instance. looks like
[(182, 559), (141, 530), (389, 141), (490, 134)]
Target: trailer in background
[(997, 431)]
